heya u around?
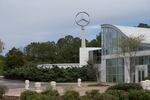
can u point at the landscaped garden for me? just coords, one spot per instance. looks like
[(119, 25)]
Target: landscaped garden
[(126, 91)]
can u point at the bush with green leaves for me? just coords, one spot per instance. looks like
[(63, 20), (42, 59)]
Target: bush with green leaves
[(28, 95), (91, 95), (3, 90), (51, 94), (139, 95), (71, 95), (106, 96), (95, 95), (126, 87), (147, 78), (120, 94), (39, 74)]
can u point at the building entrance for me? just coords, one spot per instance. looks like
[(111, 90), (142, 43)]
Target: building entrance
[(141, 75)]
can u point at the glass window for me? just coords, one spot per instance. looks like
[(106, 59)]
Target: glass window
[(115, 70), (110, 41)]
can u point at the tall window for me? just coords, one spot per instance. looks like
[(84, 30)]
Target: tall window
[(115, 70), (97, 56), (110, 39)]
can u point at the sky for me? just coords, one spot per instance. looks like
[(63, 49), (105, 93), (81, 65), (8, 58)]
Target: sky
[(26, 21)]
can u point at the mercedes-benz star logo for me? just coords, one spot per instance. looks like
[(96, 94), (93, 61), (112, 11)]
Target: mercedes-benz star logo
[(82, 19)]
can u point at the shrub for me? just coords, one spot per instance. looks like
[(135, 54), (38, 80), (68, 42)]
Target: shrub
[(71, 95), (139, 95), (52, 94), (39, 74), (126, 87), (120, 94), (147, 78), (93, 94), (106, 96), (146, 95), (3, 90), (29, 95)]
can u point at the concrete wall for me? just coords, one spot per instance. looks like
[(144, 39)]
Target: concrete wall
[(84, 55)]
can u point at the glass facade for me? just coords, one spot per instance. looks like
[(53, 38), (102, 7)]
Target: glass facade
[(148, 70), (110, 40), (95, 56), (141, 60), (115, 70), (115, 67), (144, 46)]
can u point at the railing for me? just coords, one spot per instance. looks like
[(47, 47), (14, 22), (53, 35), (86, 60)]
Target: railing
[(64, 65)]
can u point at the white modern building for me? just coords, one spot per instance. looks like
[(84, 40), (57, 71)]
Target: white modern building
[(116, 68), (85, 56)]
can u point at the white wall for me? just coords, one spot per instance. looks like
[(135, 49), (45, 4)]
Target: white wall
[(84, 55), (103, 69)]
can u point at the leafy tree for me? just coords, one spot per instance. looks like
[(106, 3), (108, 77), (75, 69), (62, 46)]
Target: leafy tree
[(41, 52), (93, 71), (143, 25), (65, 50), (14, 58), (68, 49), (129, 47), (2, 58), (95, 42)]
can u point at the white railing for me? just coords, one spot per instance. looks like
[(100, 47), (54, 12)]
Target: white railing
[(63, 65)]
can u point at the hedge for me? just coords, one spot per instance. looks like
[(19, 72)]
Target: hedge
[(126, 87), (39, 74), (3, 90), (147, 78)]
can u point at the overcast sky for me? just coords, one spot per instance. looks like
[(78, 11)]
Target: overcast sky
[(25, 21)]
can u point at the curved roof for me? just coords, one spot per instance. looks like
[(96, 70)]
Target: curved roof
[(132, 31)]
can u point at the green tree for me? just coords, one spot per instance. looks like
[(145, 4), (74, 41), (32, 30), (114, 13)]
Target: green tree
[(143, 25), (95, 42), (41, 52), (65, 50), (14, 58), (129, 47), (68, 49), (2, 59), (92, 71)]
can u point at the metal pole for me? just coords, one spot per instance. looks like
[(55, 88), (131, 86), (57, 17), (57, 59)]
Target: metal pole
[(83, 45)]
